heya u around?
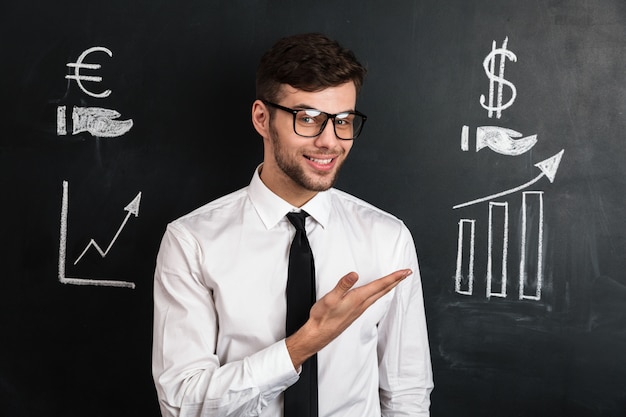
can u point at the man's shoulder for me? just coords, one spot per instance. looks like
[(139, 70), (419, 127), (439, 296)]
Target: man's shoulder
[(361, 208), (221, 208)]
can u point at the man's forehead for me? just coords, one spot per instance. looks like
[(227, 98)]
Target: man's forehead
[(340, 98)]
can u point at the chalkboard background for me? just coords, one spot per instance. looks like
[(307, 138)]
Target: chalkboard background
[(184, 73)]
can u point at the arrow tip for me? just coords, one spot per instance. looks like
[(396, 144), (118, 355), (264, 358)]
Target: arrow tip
[(133, 206), (551, 165)]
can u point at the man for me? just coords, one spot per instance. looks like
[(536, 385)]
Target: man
[(221, 346)]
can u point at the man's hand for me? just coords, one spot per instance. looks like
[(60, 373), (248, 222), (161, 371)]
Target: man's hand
[(336, 311)]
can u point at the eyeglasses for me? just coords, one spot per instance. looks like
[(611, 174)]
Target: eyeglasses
[(310, 123)]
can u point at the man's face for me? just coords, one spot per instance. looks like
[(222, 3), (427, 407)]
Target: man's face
[(307, 165)]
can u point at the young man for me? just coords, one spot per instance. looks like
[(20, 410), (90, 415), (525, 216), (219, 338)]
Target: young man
[(221, 346)]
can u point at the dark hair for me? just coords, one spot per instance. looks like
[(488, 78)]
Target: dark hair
[(308, 62)]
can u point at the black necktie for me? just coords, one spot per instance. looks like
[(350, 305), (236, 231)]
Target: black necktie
[(301, 397)]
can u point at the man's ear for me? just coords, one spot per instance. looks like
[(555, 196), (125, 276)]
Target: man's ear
[(261, 118)]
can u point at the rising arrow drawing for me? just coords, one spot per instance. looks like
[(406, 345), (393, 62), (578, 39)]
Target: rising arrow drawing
[(133, 209), (548, 169)]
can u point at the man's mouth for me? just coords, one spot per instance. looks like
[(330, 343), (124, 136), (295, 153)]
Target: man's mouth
[(325, 161)]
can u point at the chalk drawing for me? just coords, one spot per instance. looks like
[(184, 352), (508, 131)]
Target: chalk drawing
[(498, 139), (505, 246), (78, 65), (132, 208), (465, 138), (99, 122), (461, 254), (548, 168), (508, 142), (61, 125), (468, 253), (523, 275), (489, 65)]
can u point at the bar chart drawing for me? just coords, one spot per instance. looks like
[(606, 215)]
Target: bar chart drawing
[(531, 250), (531, 238)]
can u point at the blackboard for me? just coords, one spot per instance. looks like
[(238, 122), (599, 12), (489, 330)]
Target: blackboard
[(76, 331)]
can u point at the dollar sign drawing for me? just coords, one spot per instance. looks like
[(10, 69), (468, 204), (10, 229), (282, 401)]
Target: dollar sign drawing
[(489, 64)]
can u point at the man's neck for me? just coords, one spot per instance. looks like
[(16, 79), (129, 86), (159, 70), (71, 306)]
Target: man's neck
[(286, 189)]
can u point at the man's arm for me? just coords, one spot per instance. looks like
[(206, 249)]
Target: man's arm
[(188, 375), (405, 372)]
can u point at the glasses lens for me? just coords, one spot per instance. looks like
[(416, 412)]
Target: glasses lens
[(310, 123), (348, 125)]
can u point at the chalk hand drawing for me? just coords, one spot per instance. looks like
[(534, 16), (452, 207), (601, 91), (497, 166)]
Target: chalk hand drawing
[(548, 168), (78, 65), (132, 208), (99, 122), (489, 65), (95, 120), (499, 139)]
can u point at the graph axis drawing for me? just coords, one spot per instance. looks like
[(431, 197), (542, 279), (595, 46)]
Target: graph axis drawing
[(132, 208)]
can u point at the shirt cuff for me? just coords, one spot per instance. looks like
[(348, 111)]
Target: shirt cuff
[(273, 368)]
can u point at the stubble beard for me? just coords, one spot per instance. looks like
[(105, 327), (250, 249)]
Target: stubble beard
[(292, 169)]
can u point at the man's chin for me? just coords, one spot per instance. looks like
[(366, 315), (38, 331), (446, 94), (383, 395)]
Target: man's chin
[(319, 184)]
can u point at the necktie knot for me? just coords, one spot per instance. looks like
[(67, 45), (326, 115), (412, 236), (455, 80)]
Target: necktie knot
[(298, 219)]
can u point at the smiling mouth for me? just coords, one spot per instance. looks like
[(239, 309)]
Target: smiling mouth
[(325, 161)]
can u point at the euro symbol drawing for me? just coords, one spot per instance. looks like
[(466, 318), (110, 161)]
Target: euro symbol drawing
[(489, 65), (78, 65)]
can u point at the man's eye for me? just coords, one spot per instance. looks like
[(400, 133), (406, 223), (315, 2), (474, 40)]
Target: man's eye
[(309, 116), (344, 119)]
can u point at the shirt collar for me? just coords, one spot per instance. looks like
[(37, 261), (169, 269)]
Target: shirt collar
[(271, 208)]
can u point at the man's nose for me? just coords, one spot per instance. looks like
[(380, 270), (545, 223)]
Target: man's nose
[(327, 138)]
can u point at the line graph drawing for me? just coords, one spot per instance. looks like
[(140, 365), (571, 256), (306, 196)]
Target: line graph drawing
[(548, 168), (132, 208)]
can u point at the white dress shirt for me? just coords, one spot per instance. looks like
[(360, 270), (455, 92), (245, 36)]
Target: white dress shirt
[(219, 310)]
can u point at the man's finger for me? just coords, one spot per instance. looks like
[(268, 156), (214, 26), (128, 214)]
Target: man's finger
[(383, 285), (346, 282)]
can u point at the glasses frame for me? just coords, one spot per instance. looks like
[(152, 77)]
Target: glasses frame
[(329, 116)]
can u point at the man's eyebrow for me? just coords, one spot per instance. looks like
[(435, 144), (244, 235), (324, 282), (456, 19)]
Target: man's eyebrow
[(304, 106)]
